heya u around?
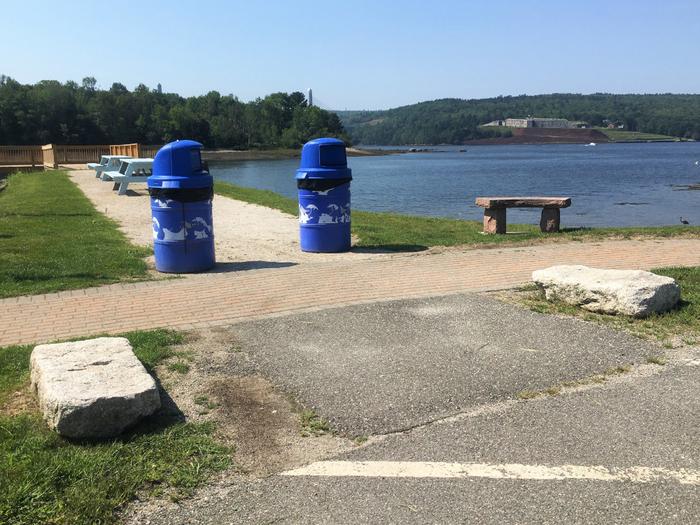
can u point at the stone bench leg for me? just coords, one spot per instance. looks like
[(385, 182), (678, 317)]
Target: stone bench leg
[(549, 223), (495, 220)]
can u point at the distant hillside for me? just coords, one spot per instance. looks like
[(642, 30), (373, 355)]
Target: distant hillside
[(455, 121)]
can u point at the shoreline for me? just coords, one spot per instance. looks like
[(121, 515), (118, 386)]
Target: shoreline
[(282, 154), (506, 142), (434, 148)]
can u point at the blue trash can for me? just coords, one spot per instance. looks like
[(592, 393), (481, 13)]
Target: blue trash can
[(323, 182), (181, 191)]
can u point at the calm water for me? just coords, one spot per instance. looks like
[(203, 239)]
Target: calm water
[(610, 184)]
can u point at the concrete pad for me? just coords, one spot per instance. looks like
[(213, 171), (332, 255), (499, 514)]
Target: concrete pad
[(383, 367)]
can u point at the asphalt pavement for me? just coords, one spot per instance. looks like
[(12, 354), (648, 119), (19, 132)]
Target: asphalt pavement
[(385, 367), (434, 385)]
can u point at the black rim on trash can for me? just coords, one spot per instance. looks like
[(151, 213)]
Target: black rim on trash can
[(182, 195), (321, 184)]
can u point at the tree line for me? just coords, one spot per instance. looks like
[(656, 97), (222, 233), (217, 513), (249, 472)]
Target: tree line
[(72, 113), (454, 121)]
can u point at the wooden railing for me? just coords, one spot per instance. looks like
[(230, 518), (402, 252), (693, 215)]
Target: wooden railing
[(49, 156), (53, 155), (148, 151), (56, 154), (68, 154), (134, 150), (21, 156)]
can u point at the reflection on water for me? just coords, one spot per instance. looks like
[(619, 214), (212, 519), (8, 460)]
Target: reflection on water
[(610, 184)]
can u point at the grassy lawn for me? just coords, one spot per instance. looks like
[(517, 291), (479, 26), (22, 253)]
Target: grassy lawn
[(52, 238), (48, 479), (624, 135), (679, 326), (405, 232)]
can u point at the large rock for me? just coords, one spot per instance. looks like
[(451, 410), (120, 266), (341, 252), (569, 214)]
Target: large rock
[(630, 292), (92, 389)]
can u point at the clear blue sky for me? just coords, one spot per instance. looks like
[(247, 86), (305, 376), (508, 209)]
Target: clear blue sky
[(359, 55)]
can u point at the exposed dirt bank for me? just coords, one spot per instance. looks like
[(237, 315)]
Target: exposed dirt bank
[(546, 136)]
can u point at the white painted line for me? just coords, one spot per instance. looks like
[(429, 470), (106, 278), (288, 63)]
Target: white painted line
[(428, 469)]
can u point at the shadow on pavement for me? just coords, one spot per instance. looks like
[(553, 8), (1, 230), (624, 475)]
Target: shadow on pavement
[(389, 248), (248, 265)]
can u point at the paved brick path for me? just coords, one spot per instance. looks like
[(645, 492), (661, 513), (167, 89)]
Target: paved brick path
[(226, 298)]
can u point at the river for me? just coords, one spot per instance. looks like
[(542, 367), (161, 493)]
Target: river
[(610, 184)]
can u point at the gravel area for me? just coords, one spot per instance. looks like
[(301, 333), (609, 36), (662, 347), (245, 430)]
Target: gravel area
[(243, 232)]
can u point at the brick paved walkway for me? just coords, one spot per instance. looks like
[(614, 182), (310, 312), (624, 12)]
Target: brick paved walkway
[(226, 298)]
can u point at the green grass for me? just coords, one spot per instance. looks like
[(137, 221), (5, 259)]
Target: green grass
[(681, 324), (48, 479), (397, 232), (154, 346), (179, 366), (52, 238), (14, 370), (150, 346), (585, 381), (312, 424), (624, 135)]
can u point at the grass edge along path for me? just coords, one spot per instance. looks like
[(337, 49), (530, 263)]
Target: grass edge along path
[(49, 479), (52, 239), (677, 327), (392, 231)]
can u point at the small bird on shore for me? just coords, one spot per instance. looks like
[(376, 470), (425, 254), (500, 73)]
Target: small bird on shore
[(684, 221)]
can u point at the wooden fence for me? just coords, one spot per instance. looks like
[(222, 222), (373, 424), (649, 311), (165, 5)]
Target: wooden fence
[(53, 155), (134, 150), (21, 156), (79, 154), (148, 151), (56, 154), (49, 156)]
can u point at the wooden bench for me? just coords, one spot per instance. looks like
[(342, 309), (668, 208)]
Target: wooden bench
[(130, 170), (495, 211)]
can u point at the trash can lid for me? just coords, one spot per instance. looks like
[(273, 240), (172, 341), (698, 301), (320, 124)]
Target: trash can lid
[(179, 165), (324, 158)]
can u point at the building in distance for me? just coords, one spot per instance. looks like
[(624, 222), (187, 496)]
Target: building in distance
[(536, 122)]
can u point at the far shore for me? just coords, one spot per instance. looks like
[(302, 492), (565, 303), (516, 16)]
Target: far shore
[(279, 154)]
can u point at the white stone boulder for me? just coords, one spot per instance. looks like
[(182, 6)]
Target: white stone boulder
[(92, 389), (629, 292)]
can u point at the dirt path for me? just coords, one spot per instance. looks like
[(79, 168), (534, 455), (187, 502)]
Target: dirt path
[(244, 233)]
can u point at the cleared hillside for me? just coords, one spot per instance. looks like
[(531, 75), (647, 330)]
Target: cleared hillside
[(547, 136)]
